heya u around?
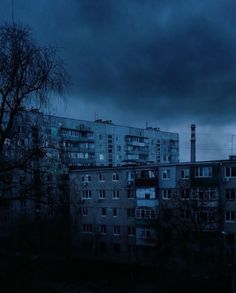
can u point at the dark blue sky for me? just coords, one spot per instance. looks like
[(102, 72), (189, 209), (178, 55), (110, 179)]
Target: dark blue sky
[(169, 62)]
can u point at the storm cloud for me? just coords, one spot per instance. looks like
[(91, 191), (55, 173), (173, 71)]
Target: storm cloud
[(175, 59)]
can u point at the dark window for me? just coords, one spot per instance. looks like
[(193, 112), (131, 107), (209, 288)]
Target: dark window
[(116, 247)]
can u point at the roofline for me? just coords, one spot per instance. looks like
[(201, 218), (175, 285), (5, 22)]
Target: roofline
[(179, 164), (76, 119)]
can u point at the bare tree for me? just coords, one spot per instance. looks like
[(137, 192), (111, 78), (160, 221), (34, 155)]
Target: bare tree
[(30, 76)]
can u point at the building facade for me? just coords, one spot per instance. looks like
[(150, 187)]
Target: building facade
[(46, 147), (113, 213), (102, 143), (131, 213)]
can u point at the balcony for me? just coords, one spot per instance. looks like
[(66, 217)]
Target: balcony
[(145, 182)]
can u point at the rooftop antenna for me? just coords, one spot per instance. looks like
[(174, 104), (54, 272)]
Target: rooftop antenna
[(96, 116)]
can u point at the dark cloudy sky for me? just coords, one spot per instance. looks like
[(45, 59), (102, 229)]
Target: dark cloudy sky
[(168, 62)]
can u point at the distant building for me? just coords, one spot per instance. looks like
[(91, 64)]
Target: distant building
[(102, 143)]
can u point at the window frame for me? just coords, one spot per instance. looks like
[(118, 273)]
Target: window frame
[(116, 230), (166, 174), (115, 194), (115, 177)]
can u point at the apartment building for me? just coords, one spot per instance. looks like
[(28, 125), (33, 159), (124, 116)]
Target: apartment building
[(103, 143), (51, 146), (135, 211)]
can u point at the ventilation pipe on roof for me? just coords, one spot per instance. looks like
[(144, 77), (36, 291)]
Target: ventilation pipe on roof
[(193, 143)]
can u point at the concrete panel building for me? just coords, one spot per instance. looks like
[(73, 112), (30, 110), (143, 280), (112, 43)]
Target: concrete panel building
[(140, 208), (102, 143)]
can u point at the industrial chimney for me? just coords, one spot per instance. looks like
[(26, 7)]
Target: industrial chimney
[(193, 143)]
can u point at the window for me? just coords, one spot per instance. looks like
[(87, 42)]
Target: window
[(230, 194), (131, 231), (49, 178), (130, 213), (166, 174), (102, 194), (103, 211), (130, 176), (86, 194), (204, 194), (166, 193), (229, 216), (116, 230), (101, 177), (185, 194), (203, 172), (115, 194), (146, 232), (145, 213), (102, 229), (130, 193), (230, 171), (185, 174), (84, 212), (115, 212), (101, 157), (87, 228), (86, 178), (115, 177)]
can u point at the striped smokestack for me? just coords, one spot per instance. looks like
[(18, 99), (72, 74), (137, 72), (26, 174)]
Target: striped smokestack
[(193, 143)]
